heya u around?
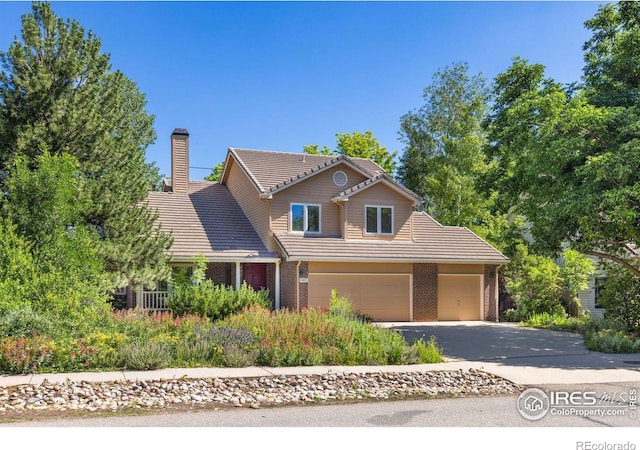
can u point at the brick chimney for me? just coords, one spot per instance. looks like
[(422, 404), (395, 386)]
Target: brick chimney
[(180, 161)]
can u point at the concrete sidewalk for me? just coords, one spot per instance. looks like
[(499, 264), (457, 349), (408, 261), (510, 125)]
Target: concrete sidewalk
[(519, 374)]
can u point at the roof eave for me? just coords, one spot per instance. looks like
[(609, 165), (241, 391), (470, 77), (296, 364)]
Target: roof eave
[(351, 259), (232, 154), (343, 198), (231, 259)]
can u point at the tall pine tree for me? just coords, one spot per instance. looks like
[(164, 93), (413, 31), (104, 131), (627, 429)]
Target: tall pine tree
[(59, 94)]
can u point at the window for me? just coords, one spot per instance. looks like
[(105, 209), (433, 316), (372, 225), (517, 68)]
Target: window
[(305, 218), (379, 219), (340, 178), (598, 288)]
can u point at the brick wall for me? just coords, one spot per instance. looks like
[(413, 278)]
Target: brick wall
[(304, 287), (221, 273), (490, 293), (425, 292), (288, 285)]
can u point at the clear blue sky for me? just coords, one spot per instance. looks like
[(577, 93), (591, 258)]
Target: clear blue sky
[(281, 75)]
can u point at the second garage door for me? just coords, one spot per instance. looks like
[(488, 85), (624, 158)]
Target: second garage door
[(459, 297), (384, 297)]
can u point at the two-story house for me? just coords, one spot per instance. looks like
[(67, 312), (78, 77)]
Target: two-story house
[(302, 225)]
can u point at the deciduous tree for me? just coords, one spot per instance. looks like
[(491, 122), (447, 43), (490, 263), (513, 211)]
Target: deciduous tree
[(358, 145), (444, 142)]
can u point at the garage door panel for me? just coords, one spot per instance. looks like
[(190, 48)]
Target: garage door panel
[(383, 297), (320, 289), (459, 297)]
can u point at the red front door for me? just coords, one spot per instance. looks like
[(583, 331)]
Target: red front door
[(255, 274)]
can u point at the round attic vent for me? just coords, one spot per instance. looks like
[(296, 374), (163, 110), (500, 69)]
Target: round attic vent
[(340, 178)]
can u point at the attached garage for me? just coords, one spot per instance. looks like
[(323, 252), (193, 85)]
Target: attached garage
[(382, 295), (460, 297)]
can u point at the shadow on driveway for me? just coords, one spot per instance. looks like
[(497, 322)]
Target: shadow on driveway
[(513, 345)]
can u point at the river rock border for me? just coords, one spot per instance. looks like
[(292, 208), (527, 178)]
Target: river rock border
[(248, 392)]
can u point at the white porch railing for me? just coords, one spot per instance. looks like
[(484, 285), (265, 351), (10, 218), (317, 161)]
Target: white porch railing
[(155, 300)]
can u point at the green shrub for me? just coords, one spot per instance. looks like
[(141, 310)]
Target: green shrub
[(538, 285), (427, 352), (315, 336), (511, 315), (73, 355), (612, 341), (545, 320), (22, 321), (620, 297), (214, 301), (145, 355), (218, 346), (537, 290), (24, 355)]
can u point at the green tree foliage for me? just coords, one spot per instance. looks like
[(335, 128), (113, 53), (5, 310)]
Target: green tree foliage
[(444, 142), (540, 285), (568, 158), (621, 297), (216, 173), (44, 201), (358, 145), (575, 271), (59, 95), (42, 209), (612, 57)]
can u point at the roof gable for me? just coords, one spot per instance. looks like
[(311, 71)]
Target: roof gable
[(379, 179), (272, 172)]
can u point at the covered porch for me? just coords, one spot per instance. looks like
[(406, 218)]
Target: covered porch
[(259, 273)]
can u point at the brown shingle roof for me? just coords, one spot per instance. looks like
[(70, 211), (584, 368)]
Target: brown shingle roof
[(271, 171), (433, 243), (207, 221)]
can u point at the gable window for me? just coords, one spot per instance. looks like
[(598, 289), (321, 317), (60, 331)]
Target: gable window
[(305, 218), (379, 219)]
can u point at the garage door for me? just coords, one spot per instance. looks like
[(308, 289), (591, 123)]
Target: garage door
[(384, 297), (459, 297)]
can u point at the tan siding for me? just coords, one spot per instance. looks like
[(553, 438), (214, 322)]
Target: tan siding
[(256, 210), (379, 195), (326, 267), (180, 164), (318, 189), (461, 268)]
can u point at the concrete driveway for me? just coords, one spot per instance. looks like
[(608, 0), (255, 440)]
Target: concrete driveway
[(513, 345)]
